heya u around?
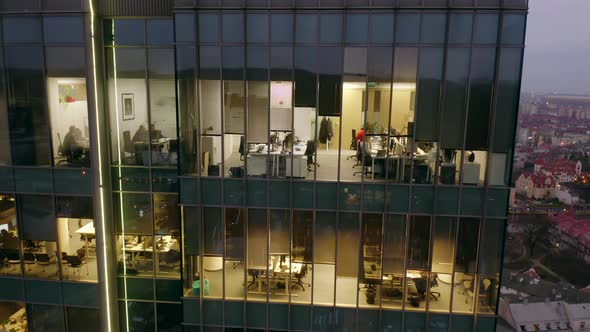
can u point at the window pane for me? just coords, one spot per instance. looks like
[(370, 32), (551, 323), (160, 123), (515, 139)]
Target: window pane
[(433, 28), (45, 318), (19, 29), (407, 28), (128, 106), (14, 316), (357, 26), (160, 32), (486, 29), (38, 217), (10, 243), (325, 257), (382, 28), (63, 29), (83, 319), (306, 28), (163, 139), (5, 157), (68, 106), (482, 77), (394, 256), (347, 261), (134, 213), (209, 28), (460, 27), (331, 28), (454, 107), (507, 100), (185, 28), (186, 75), (257, 28), (281, 28), (419, 242), (129, 32), (429, 87), (513, 27), (233, 28), (28, 121), (234, 252), (301, 254)]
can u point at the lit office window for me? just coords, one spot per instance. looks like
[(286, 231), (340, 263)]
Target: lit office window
[(13, 316), (77, 238), (40, 253), (68, 106), (465, 278), (9, 243)]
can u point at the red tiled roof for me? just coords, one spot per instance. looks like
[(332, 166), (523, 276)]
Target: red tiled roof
[(539, 180)]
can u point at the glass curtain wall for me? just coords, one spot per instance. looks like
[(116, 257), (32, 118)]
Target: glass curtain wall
[(141, 100)]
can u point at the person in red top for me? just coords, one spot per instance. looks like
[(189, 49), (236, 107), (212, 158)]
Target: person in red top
[(360, 135)]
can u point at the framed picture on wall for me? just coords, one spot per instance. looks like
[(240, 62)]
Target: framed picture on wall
[(128, 106)]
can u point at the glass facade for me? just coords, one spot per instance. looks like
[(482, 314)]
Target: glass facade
[(273, 165)]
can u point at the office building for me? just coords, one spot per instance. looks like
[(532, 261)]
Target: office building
[(262, 165)]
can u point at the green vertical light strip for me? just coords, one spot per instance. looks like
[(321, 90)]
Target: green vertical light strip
[(100, 170)]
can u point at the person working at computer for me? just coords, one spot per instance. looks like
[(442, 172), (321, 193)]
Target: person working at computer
[(360, 135), (155, 133), (141, 135), (71, 146)]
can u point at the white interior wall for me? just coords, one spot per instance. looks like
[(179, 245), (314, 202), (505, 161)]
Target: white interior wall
[(210, 107), (136, 86), (163, 106)]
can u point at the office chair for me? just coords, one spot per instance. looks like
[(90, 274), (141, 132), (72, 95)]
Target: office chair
[(45, 260), (29, 259), (353, 144), (310, 150), (434, 283), (298, 276), (366, 160), (62, 158), (13, 258), (75, 262), (128, 146)]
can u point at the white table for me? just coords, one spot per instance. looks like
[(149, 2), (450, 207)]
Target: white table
[(87, 229), (136, 249)]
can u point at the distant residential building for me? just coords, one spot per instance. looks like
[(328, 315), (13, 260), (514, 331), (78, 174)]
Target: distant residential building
[(579, 316), (536, 316), (536, 186), (563, 170)]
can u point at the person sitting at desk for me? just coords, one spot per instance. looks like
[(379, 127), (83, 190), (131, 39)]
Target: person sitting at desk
[(360, 135), (71, 146), (141, 135), (155, 133)]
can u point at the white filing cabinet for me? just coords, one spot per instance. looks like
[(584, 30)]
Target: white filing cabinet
[(257, 164), (299, 167), (471, 173)]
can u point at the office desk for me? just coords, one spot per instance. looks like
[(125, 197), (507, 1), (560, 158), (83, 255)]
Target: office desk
[(400, 163), (261, 270), (87, 229), (135, 249), (257, 163), (283, 273)]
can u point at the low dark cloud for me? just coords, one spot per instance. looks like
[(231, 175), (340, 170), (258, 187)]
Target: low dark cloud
[(557, 54)]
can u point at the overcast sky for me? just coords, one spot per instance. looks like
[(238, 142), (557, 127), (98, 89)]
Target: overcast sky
[(557, 53)]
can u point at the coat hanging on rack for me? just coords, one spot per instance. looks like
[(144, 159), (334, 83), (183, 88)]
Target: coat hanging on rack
[(326, 130)]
